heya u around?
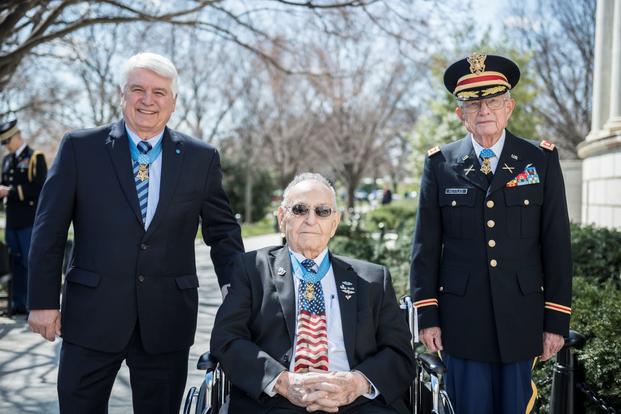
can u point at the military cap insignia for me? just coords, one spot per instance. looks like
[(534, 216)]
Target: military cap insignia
[(477, 62), (547, 145), (433, 151)]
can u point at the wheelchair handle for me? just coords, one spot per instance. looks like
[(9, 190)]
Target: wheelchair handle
[(207, 362), (432, 364)]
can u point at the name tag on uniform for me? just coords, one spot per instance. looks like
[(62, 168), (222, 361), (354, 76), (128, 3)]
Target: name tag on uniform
[(456, 191)]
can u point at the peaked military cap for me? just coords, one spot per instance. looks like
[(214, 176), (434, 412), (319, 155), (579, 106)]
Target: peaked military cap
[(7, 130), (481, 76)]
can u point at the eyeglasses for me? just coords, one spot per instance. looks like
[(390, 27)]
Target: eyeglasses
[(302, 210), (494, 104)]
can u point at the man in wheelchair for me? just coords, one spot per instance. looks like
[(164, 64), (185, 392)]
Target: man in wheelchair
[(304, 330)]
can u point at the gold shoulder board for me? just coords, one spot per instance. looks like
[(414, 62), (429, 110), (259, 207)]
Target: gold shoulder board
[(433, 151)]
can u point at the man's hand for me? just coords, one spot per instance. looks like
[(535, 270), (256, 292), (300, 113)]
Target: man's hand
[(4, 190), (333, 390), (552, 343), (290, 385), (431, 338), (45, 322)]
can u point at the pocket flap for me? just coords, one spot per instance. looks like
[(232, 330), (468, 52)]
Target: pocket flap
[(525, 195), (83, 277), (454, 281), (457, 199), (187, 281), (530, 281)]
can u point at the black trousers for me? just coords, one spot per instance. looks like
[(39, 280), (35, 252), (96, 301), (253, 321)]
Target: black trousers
[(86, 376)]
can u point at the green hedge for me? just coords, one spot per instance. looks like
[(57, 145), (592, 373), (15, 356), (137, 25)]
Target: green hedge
[(596, 254)]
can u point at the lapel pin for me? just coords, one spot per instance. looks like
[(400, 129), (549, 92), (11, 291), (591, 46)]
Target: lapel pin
[(281, 271), (510, 169), (348, 289), (515, 157), (465, 157), (178, 151), (468, 170)]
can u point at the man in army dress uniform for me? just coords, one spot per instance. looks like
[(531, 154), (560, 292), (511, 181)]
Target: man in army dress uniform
[(491, 260), (23, 174)]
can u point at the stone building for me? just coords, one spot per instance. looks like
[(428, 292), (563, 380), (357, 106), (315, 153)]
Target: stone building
[(601, 151)]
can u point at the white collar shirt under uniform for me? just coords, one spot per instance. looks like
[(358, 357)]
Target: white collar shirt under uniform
[(155, 174), (20, 150), (497, 148)]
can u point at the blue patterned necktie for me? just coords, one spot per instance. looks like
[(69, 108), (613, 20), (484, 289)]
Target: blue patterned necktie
[(486, 165), (311, 346), (142, 184)]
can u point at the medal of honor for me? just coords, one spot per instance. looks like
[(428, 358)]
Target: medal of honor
[(143, 172), (310, 292), (486, 167)]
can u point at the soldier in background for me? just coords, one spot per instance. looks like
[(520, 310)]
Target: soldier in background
[(23, 174)]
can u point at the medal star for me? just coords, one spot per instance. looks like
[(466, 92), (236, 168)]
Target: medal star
[(143, 173), (486, 167)]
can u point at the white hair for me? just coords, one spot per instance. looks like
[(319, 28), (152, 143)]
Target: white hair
[(308, 176), (153, 62)]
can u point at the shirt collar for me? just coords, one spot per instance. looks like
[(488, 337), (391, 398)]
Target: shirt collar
[(497, 147), (301, 257), (20, 150), (153, 141)]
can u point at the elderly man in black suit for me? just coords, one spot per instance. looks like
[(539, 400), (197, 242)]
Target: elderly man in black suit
[(491, 263), (303, 329), (135, 192)]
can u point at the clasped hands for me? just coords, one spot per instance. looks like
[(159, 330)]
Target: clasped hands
[(320, 390)]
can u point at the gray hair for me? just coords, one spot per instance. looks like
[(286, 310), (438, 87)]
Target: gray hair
[(308, 176), (153, 62)]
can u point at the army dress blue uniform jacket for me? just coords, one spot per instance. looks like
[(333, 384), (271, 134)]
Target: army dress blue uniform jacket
[(25, 174), (492, 266)]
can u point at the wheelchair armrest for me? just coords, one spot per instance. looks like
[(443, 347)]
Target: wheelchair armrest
[(574, 340), (431, 363), (207, 362)]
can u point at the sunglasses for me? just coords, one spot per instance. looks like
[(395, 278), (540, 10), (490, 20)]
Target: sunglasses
[(302, 210)]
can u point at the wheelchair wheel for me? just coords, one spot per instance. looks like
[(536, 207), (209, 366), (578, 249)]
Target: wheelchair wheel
[(201, 400)]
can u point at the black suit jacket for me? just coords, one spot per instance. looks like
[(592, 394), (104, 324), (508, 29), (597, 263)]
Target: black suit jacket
[(255, 327), (119, 274), (497, 260)]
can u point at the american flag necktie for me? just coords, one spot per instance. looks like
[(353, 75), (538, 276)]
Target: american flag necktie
[(311, 346)]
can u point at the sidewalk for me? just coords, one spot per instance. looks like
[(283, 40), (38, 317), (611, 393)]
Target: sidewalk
[(29, 364)]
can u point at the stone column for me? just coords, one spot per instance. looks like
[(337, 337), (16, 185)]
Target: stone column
[(614, 119), (601, 67)]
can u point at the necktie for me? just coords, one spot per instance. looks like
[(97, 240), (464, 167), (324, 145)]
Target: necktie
[(142, 185), (486, 166), (311, 345)]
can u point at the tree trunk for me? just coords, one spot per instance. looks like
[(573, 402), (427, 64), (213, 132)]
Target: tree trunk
[(248, 197)]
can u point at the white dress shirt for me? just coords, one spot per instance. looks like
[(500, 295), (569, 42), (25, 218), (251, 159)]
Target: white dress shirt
[(337, 356), (20, 150), (155, 175), (497, 148)]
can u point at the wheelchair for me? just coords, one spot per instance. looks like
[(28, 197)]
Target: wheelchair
[(425, 395)]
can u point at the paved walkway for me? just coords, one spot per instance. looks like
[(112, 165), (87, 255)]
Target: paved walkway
[(29, 364)]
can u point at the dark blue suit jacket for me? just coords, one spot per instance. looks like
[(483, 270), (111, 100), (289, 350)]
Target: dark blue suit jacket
[(119, 274)]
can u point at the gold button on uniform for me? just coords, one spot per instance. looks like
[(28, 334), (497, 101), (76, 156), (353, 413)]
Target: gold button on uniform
[(491, 223), (491, 243), (493, 263), (526, 202), (490, 203), (453, 203)]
